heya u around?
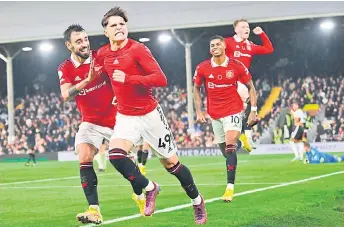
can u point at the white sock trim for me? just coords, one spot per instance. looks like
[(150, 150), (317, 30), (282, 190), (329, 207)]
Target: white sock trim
[(150, 186), (197, 200), (230, 186)]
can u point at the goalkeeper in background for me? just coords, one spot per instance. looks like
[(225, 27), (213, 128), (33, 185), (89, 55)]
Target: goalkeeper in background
[(315, 156)]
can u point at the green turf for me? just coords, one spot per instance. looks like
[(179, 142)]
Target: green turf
[(55, 203)]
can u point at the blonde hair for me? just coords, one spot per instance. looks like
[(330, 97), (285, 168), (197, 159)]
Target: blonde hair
[(238, 21)]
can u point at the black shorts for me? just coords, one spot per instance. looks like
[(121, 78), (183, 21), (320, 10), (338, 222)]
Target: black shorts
[(30, 146), (297, 134)]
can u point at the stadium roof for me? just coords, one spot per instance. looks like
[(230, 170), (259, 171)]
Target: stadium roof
[(24, 21)]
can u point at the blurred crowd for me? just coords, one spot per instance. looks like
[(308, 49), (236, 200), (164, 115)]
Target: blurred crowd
[(48, 123), (326, 91), (42, 120)]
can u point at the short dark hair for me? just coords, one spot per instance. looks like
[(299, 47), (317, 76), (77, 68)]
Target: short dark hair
[(115, 11), (70, 29), (217, 37), (307, 144), (238, 21)]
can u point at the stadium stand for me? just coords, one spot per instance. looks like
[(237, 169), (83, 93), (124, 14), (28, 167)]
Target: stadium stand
[(55, 122)]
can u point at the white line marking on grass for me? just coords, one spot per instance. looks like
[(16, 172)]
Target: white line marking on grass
[(106, 174), (128, 185), (169, 209)]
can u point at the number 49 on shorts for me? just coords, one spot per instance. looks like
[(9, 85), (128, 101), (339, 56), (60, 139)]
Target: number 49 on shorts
[(165, 140)]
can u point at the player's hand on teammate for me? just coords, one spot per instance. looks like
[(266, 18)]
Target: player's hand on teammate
[(257, 30), (201, 117), (118, 76), (252, 118)]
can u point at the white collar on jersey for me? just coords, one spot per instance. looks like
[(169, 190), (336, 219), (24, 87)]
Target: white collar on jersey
[(224, 64), (238, 39), (77, 64)]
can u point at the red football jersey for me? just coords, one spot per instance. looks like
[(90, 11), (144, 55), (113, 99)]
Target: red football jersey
[(95, 100), (243, 50), (142, 72), (221, 86)]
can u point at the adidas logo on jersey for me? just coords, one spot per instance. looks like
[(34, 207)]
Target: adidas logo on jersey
[(116, 62), (77, 78), (237, 46), (211, 76)]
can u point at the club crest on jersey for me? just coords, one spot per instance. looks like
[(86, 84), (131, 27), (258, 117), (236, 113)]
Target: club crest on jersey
[(248, 46), (229, 74)]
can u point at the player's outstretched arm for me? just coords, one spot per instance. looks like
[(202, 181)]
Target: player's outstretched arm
[(155, 76), (267, 47)]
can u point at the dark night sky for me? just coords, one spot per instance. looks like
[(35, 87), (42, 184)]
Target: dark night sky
[(298, 40)]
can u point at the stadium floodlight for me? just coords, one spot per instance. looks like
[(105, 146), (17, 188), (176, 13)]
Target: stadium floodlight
[(327, 25), (46, 47), (143, 40), (26, 49), (164, 38)]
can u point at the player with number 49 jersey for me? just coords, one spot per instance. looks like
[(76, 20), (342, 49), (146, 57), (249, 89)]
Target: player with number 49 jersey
[(133, 72)]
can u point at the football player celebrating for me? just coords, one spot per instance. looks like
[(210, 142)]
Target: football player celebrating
[(220, 75), (242, 49), (133, 72), (81, 80)]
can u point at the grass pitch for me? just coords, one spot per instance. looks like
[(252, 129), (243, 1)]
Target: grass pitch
[(50, 194)]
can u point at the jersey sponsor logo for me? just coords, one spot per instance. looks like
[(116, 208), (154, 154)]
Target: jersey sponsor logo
[(77, 78), (211, 76), (116, 62), (229, 74), (238, 54), (85, 90), (213, 85)]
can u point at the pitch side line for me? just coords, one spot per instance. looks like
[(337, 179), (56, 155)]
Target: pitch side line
[(106, 174), (129, 185), (169, 209)]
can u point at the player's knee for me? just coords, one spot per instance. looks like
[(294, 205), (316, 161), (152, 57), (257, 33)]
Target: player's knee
[(86, 152), (170, 162), (174, 168), (123, 144)]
